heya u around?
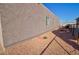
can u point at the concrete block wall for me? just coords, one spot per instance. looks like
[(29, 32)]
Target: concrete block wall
[(23, 21)]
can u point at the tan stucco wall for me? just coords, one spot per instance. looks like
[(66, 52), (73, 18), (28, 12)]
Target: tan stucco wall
[(22, 21)]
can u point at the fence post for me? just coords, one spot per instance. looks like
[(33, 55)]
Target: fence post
[(78, 39)]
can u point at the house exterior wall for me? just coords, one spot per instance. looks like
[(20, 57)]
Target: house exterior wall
[(23, 21)]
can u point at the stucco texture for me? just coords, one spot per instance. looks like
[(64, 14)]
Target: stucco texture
[(23, 21)]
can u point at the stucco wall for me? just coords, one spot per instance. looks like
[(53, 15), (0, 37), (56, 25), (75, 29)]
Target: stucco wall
[(23, 21)]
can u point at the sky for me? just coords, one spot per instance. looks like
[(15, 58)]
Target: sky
[(66, 12)]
